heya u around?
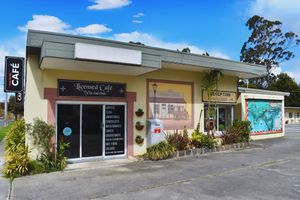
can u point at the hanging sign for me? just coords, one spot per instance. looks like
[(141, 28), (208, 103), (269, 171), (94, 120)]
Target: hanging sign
[(220, 96), (14, 71), (19, 97), (91, 89)]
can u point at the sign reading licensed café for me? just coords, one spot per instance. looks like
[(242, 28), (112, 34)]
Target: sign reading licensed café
[(14, 68), (90, 89), (220, 96)]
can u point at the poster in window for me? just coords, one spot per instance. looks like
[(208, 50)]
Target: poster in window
[(173, 103)]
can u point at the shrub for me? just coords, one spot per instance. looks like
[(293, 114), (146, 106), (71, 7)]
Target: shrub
[(48, 161), (180, 141), (199, 140), (42, 134), (160, 151), (61, 159), (239, 132), (16, 151)]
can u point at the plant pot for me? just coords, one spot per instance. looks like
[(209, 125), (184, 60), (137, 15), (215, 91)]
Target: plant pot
[(139, 140), (139, 127), (139, 113)]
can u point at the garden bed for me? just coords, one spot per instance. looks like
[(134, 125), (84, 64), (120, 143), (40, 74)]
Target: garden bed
[(199, 151)]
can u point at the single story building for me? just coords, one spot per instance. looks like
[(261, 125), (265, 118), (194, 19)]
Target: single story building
[(292, 115), (90, 89)]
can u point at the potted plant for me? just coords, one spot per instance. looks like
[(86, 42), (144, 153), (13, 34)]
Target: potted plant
[(139, 112), (139, 139), (139, 126)]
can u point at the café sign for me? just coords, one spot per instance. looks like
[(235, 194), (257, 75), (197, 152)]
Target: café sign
[(91, 89), (220, 96), (14, 74)]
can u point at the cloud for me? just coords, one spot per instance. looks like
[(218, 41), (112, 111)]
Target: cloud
[(151, 40), (108, 4), (138, 15), (45, 23), (286, 11), (54, 24), (137, 21), (93, 29), (292, 69)]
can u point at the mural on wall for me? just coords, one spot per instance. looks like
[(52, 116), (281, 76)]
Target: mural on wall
[(265, 116), (173, 103)]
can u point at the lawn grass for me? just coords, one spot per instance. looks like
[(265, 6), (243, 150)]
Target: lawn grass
[(4, 130)]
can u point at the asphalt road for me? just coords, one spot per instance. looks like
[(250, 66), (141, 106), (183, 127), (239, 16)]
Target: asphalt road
[(269, 170)]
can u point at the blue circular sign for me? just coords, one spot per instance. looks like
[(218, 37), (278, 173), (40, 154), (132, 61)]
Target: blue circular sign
[(67, 131)]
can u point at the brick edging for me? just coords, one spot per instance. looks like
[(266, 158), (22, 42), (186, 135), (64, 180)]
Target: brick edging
[(200, 151)]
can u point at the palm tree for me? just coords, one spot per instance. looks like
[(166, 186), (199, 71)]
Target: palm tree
[(210, 83)]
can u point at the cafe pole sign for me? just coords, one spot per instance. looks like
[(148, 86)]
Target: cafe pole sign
[(91, 89), (219, 96), (14, 74)]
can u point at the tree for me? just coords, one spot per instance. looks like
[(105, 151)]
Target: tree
[(1, 111), (15, 108), (210, 83), (267, 45), (285, 83)]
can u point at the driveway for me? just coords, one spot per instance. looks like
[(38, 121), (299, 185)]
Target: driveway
[(268, 170)]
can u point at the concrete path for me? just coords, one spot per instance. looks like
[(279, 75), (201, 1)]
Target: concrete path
[(269, 171)]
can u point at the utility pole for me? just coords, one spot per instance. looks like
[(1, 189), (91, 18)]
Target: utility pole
[(5, 109)]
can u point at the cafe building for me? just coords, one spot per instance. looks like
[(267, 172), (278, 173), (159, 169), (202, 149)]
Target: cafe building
[(100, 93)]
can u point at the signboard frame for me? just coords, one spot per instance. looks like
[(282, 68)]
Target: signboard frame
[(20, 86), (17, 97), (212, 100), (111, 91)]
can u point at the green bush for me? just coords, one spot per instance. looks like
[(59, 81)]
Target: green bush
[(199, 140), (180, 141), (16, 151), (61, 159), (42, 134), (160, 151), (239, 132)]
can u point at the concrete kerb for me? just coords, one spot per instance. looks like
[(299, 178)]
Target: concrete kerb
[(100, 164)]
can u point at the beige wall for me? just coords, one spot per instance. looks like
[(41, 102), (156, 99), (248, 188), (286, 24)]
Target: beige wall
[(37, 80), (295, 112)]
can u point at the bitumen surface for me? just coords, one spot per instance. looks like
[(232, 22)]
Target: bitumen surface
[(270, 169)]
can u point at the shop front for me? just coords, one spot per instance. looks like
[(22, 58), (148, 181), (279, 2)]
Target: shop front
[(91, 89), (219, 112)]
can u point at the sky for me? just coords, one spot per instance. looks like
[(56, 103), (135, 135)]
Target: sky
[(215, 26)]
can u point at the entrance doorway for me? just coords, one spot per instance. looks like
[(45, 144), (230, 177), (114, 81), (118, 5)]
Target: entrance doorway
[(221, 117), (92, 130)]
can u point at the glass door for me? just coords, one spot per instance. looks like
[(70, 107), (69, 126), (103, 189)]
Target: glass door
[(68, 128), (92, 130)]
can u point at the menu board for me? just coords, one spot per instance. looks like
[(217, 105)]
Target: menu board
[(114, 130)]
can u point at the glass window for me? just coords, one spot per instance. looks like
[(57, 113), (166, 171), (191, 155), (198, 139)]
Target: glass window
[(298, 115), (290, 115)]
